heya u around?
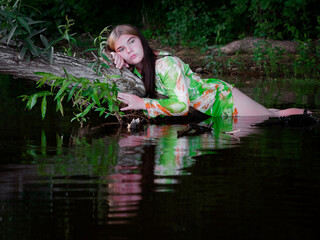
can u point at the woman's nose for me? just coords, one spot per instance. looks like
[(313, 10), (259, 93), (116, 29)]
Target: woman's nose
[(129, 49)]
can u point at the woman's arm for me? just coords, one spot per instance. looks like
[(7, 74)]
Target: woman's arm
[(173, 81), (175, 85)]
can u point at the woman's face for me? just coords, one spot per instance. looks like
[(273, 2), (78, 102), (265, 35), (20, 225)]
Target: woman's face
[(129, 47)]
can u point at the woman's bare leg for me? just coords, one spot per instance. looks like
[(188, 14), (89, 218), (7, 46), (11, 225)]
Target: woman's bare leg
[(290, 111), (248, 107)]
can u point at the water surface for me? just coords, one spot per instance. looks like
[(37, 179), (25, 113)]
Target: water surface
[(57, 182)]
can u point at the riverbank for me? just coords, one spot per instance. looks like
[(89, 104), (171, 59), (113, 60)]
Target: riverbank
[(251, 58)]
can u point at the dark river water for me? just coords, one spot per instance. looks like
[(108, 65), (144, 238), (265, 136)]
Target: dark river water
[(57, 182)]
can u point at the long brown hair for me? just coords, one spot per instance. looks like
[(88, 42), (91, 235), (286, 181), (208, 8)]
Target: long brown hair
[(149, 60)]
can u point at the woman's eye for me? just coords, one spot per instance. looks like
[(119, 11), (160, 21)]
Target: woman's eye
[(131, 41), (120, 49)]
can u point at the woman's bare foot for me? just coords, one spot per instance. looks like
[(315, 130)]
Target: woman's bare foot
[(289, 111)]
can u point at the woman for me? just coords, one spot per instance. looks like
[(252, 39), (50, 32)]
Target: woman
[(169, 76)]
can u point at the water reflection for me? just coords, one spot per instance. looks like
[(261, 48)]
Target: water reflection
[(56, 183), (117, 168)]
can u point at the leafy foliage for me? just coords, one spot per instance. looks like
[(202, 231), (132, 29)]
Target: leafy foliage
[(85, 95), (183, 20), (219, 22), (23, 30), (188, 22), (65, 35), (99, 43)]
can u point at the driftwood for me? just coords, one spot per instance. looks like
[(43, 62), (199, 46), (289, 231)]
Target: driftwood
[(78, 67), (299, 120), (193, 130), (248, 44)]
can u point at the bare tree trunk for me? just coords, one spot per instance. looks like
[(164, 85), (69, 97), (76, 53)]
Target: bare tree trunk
[(11, 64)]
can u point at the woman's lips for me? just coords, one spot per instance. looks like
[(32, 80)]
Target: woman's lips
[(133, 56)]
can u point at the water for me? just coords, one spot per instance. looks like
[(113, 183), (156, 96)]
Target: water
[(59, 183)]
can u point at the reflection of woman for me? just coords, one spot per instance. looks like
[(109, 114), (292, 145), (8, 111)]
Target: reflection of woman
[(168, 75), (173, 154)]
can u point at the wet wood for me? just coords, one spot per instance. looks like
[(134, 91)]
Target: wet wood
[(299, 120)]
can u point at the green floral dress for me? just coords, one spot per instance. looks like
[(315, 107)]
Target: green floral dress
[(184, 88)]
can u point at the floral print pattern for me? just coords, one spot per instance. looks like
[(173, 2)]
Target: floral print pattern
[(185, 88)]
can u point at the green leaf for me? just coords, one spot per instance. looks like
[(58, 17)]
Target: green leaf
[(67, 37), (115, 76), (24, 97), (73, 78), (15, 4), (105, 57), (72, 91), (11, 34), (31, 22), (60, 30), (95, 97), (32, 47), (103, 45), (24, 24), (32, 101), (43, 74), (104, 65), (90, 49), (110, 106), (22, 52), (73, 40), (101, 110), (59, 104), (62, 89), (74, 118), (77, 116), (44, 107), (85, 112), (88, 91)]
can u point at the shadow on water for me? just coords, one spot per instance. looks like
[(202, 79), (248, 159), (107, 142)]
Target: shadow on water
[(258, 183)]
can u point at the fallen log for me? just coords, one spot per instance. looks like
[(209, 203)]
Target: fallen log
[(78, 67), (249, 44)]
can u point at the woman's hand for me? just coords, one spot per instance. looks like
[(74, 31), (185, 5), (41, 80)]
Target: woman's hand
[(134, 102), (118, 60)]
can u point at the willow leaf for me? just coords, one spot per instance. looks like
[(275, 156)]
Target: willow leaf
[(85, 112), (22, 52), (62, 89), (32, 47), (72, 91), (11, 34), (24, 24), (32, 101), (44, 107)]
